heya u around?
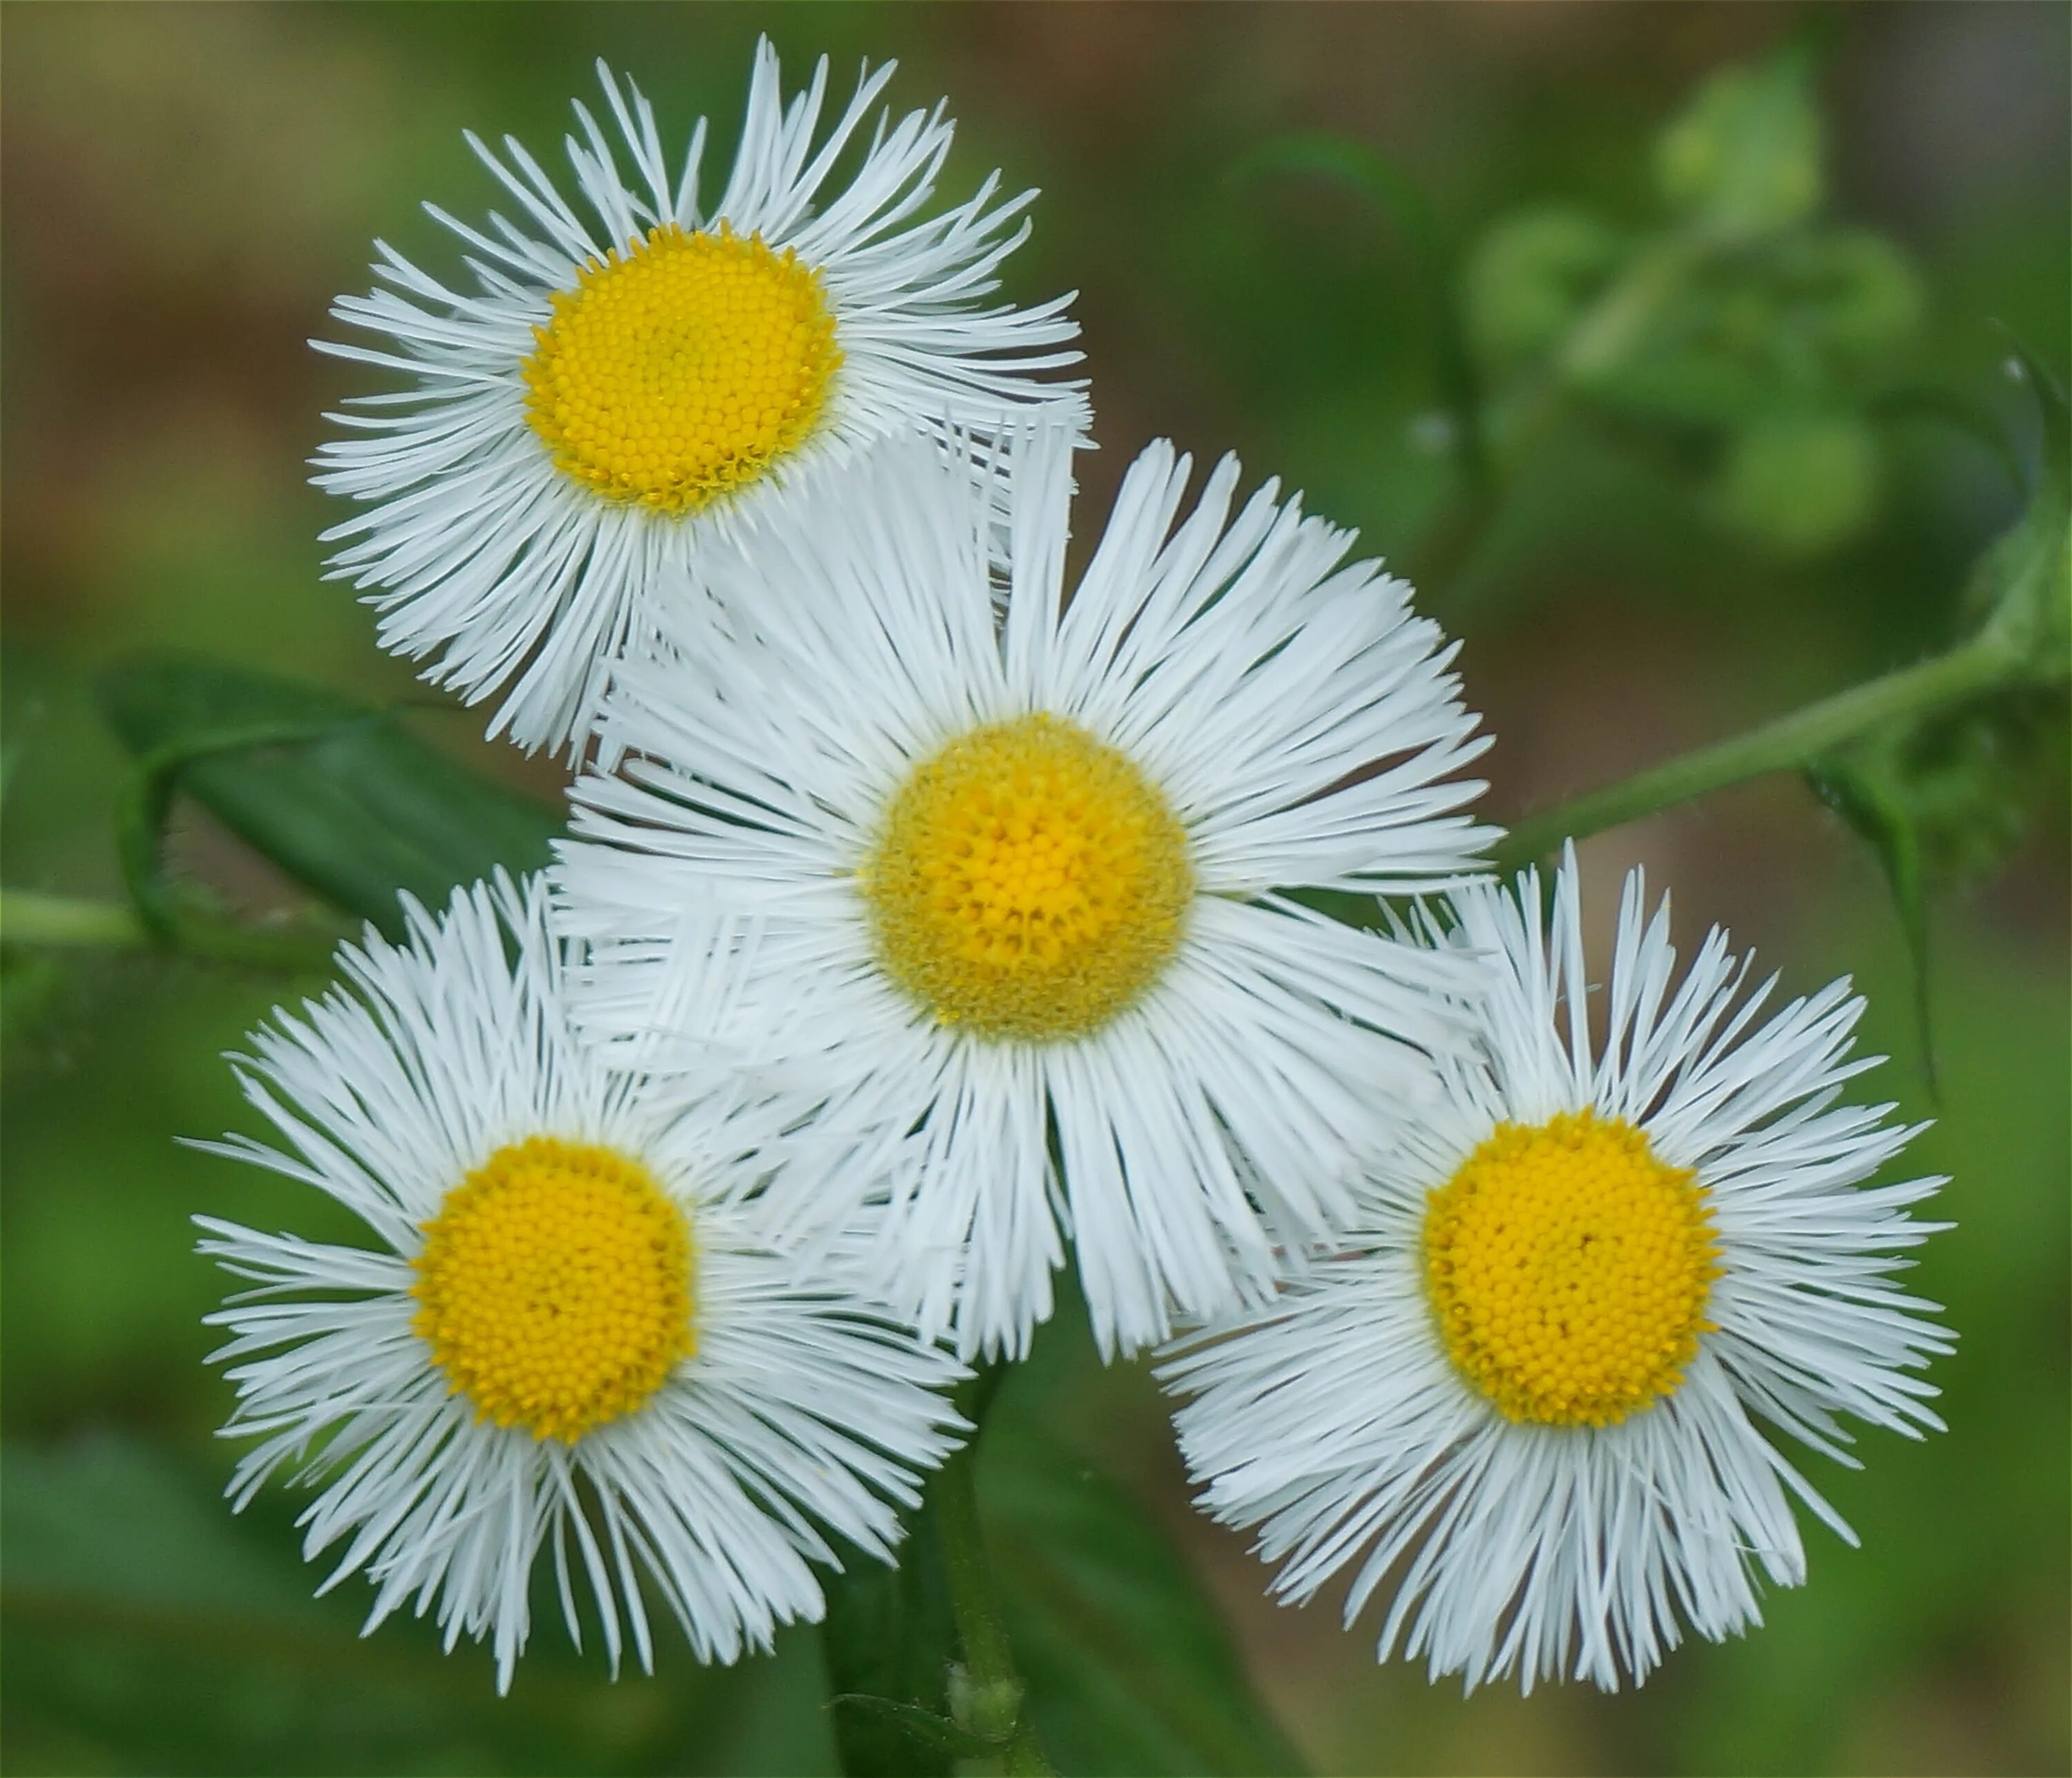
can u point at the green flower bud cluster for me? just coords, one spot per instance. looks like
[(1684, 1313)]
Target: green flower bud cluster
[(1738, 326)]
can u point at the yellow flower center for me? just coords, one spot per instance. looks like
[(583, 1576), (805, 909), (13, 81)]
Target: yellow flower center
[(1569, 1270), (1029, 882), (680, 368), (554, 1287)]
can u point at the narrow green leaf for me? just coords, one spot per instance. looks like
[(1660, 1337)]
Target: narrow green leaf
[(890, 1635), (1129, 1667), (915, 1724), (891, 1632), (2053, 410), (339, 794), (1320, 154), (2023, 585), (1869, 801)]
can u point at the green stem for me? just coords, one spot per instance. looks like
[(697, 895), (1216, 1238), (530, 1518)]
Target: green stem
[(68, 922), (1613, 325), (1790, 742), (986, 1697), (28, 918)]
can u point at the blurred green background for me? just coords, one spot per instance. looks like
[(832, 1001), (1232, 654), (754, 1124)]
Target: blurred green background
[(1758, 502)]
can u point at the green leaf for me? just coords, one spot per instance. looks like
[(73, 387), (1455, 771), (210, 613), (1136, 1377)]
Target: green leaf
[(1744, 158), (2022, 587), (891, 1632), (1359, 168), (148, 1629), (915, 1724), (1854, 292), (1799, 484), (1944, 799), (339, 794), (1531, 275), (2019, 592), (1947, 797), (1864, 792), (1128, 1665), (890, 1635)]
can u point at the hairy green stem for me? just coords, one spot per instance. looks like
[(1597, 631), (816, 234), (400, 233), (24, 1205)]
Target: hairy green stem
[(986, 1697), (1788, 743)]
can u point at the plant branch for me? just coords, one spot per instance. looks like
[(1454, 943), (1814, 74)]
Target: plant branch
[(69, 921), (1789, 742), (66, 921), (986, 1696)]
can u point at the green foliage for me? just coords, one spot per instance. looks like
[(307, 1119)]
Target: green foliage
[(1945, 796), (30, 983), (1798, 484), (1128, 1669), (1529, 278), (889, 1638), (1851, 294), (146, 1629), (1127, 1664), (917, 1730), (1372, 175), (1743, 157), (337, 792), (1753, 348)]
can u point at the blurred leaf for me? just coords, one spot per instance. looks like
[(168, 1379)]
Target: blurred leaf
[(1962, 781), (1744, 158), (1947, 796), (1864, 792), (2020, 592), (1699, 382), (1127, 1665), (915, 1726), (2053, 410), (888, 1637), (1737, 338), (1530, 276), (1799, 483), (31, 987), (339, 794), (150, 1630), (1854, 292), (1366, 170), (147, 1624), (890, 1633), (1960, 412)]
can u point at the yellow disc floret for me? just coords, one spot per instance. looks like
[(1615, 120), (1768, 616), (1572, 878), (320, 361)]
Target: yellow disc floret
[(680, 368), (1569, 1270), (1028, 882), (554, 1287)]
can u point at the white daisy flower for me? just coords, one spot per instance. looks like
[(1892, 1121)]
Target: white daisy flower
[(1524, 1397), (1022, 867), (572, 1333), (613, 393)]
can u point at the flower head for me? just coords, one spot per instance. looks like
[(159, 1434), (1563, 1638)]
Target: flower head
[(573, 1330), (614, 393), (1021, 865), (1522, 1395)]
